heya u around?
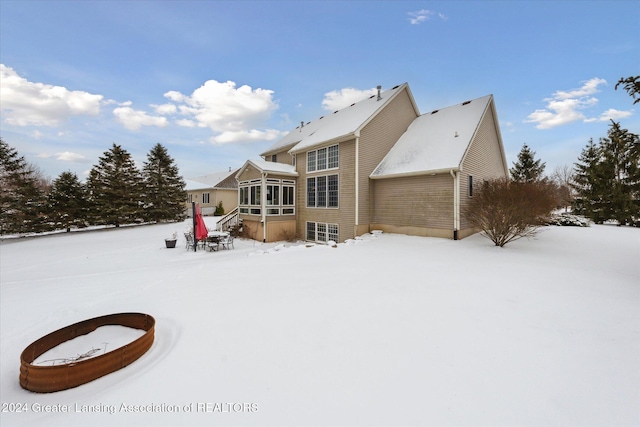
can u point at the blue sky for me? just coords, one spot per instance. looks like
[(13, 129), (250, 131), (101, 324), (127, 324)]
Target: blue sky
[(218, 82)]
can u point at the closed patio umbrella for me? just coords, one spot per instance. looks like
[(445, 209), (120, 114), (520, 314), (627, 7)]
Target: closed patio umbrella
[(201, 227)]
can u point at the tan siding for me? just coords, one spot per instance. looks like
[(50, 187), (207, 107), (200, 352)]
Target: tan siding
[(344, 215), (281, 230), (249, 173), (483, 161), (229, 199), (281, 157), (417, 201), (376, 139)]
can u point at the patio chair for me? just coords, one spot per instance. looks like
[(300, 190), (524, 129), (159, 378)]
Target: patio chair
[(227, 242), (189, 238)]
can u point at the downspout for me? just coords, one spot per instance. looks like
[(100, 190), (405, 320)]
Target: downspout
[(263, 205), (357, 210), (456, 203)]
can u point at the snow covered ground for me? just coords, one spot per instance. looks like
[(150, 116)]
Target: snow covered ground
[(387, 330)]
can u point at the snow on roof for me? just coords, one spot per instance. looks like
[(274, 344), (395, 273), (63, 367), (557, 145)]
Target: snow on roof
[(335, 125), (265, 166), (207, 181), (435, 141)]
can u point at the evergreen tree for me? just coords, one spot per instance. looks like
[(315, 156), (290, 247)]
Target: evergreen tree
[(526, 169), (115, 188), (619, 165), (608, 178), (21, 199), (68, 202), (632, 86), (590, 184), (164, 187)]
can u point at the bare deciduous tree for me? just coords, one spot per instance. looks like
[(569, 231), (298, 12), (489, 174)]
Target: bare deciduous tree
[(505, 210), (563, 177)]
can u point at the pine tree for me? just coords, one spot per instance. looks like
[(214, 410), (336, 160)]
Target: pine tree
[(526, 169), (164, 187), (619, 164), (115, 188), (21, 199), (590, 184), (632, 86), (68, 205)]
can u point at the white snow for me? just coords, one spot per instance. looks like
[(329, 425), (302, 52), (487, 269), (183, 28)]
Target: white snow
[(383, 330), (103, 340), (435, 141), (336, 124)]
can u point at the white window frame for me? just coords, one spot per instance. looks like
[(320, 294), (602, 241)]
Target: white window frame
[(322, 231), (322, 195), (323, 159)]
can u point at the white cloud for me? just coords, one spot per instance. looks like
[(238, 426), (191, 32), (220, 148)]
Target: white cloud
[(135, 119), (337, 99), (420, 16), (234, 114), (68, 156), (613, 114), (27, 103), (165, 109), (186, 123), (228, 137), (566, 106)]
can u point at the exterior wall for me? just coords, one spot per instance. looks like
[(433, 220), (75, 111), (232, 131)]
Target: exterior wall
[(282, 229), (483, 161), (418, 205), (376, 139), (249, 173), (229, 198), (251, 227), (344, 215), (281, 157)]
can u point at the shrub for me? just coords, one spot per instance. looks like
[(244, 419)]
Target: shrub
[(506, 210), (568, 220), (219, 210)]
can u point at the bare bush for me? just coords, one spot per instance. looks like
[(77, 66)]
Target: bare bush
[(505, 210)]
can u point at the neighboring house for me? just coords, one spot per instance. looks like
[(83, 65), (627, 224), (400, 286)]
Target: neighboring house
[(209, 190), (375, 165)]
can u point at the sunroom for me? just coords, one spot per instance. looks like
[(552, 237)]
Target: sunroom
[(267, 200)]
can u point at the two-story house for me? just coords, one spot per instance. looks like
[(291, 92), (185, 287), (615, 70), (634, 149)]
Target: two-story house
[(377, 164)]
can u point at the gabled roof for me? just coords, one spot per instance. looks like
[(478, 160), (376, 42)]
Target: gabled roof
[(218, 179), (340, 125), (268, 167), (435, 141)]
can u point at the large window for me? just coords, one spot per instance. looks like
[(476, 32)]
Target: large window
[(205, 197), (322, 159), (280, 196), (322, 232), (322, 191)]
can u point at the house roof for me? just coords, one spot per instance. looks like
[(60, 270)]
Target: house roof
[(218, 179), (435, 141), (344, 123), (269, 167)]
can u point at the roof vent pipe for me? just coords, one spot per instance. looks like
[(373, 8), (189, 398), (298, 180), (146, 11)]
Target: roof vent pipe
[(379, 88), (301, 126)]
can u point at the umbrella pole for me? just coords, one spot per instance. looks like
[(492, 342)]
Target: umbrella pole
[(195, 239)]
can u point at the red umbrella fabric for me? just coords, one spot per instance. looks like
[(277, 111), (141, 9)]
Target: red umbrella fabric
[(201, 227)]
